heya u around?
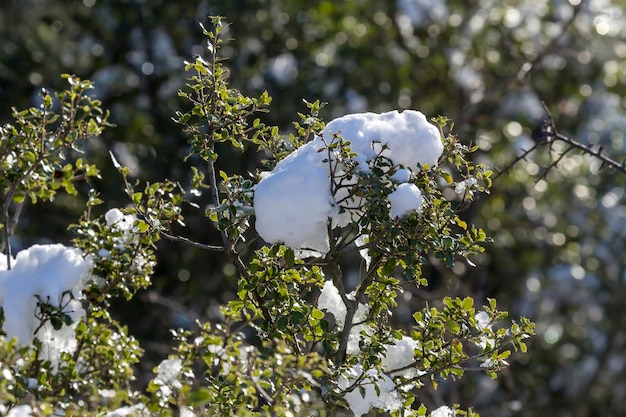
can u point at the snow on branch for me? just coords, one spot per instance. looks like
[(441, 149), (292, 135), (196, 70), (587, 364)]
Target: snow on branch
[(294, 202)]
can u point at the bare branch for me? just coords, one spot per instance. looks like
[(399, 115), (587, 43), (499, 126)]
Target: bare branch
[(549, 135), (597, 153), (517, 160), (193, 243), (554, 164)]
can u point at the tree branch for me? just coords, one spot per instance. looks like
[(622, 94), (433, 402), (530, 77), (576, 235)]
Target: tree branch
[(193, 243), (548, 135)]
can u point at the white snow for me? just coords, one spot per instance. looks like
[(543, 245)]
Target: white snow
[(443, 411), (133, 410), (482, 320), (411, 139), (487, 363), (168, 374), (21, 411), (55, 342), (47, 271), (359, 331), (462, 186), (169, 371), (124, 224), (294, 203), (386, 398), (400, 355), (331, 301), (361, 240), (482, 323), (402, 175), (407, 198), (3, 262)]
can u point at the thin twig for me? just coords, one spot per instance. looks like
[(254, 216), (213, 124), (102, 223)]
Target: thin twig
[(521, 157), (549, 135), (554, 164), (595, 153), (190, 242)]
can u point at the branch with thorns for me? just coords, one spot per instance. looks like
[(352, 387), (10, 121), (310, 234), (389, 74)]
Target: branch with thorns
[(548, 135)]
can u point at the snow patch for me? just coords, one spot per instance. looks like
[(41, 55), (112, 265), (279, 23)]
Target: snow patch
[(52, 272), (331, 301), (399, 356), (405, 200), (443, 411), (361, 401), (168, 374), (296, 202)]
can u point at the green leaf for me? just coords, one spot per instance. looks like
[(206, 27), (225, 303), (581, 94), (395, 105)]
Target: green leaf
[(56, 322), (30, 156), (419, 318), (504, 355), (317, 314), (282, 323), (289, 257), (142, 226), (19, 198), (460, 223), (93, 128), (200, 397)]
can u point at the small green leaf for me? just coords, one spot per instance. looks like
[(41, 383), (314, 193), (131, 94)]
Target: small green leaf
[(460, 223), (289, 257), (142, 226), (93, 128), (200, 397), (56, 322), (467, 303), (30, 156), (317, 314), (282, 323)]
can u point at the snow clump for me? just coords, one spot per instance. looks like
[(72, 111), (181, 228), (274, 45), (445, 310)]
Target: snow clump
[(443, 411), (21, 411), (482, 320), (132, 410), (359, 400), (168, 374), (406, 199), (51, 272), (294, 203), (124, 225), (331, 301), (400, 357)]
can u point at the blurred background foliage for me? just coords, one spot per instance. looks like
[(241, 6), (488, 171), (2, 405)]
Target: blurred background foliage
[(559, 231)]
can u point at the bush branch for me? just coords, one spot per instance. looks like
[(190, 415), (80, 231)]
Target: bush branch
[(549, 135)]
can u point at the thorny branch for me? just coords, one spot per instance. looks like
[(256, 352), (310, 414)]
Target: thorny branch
[(548, 135)]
